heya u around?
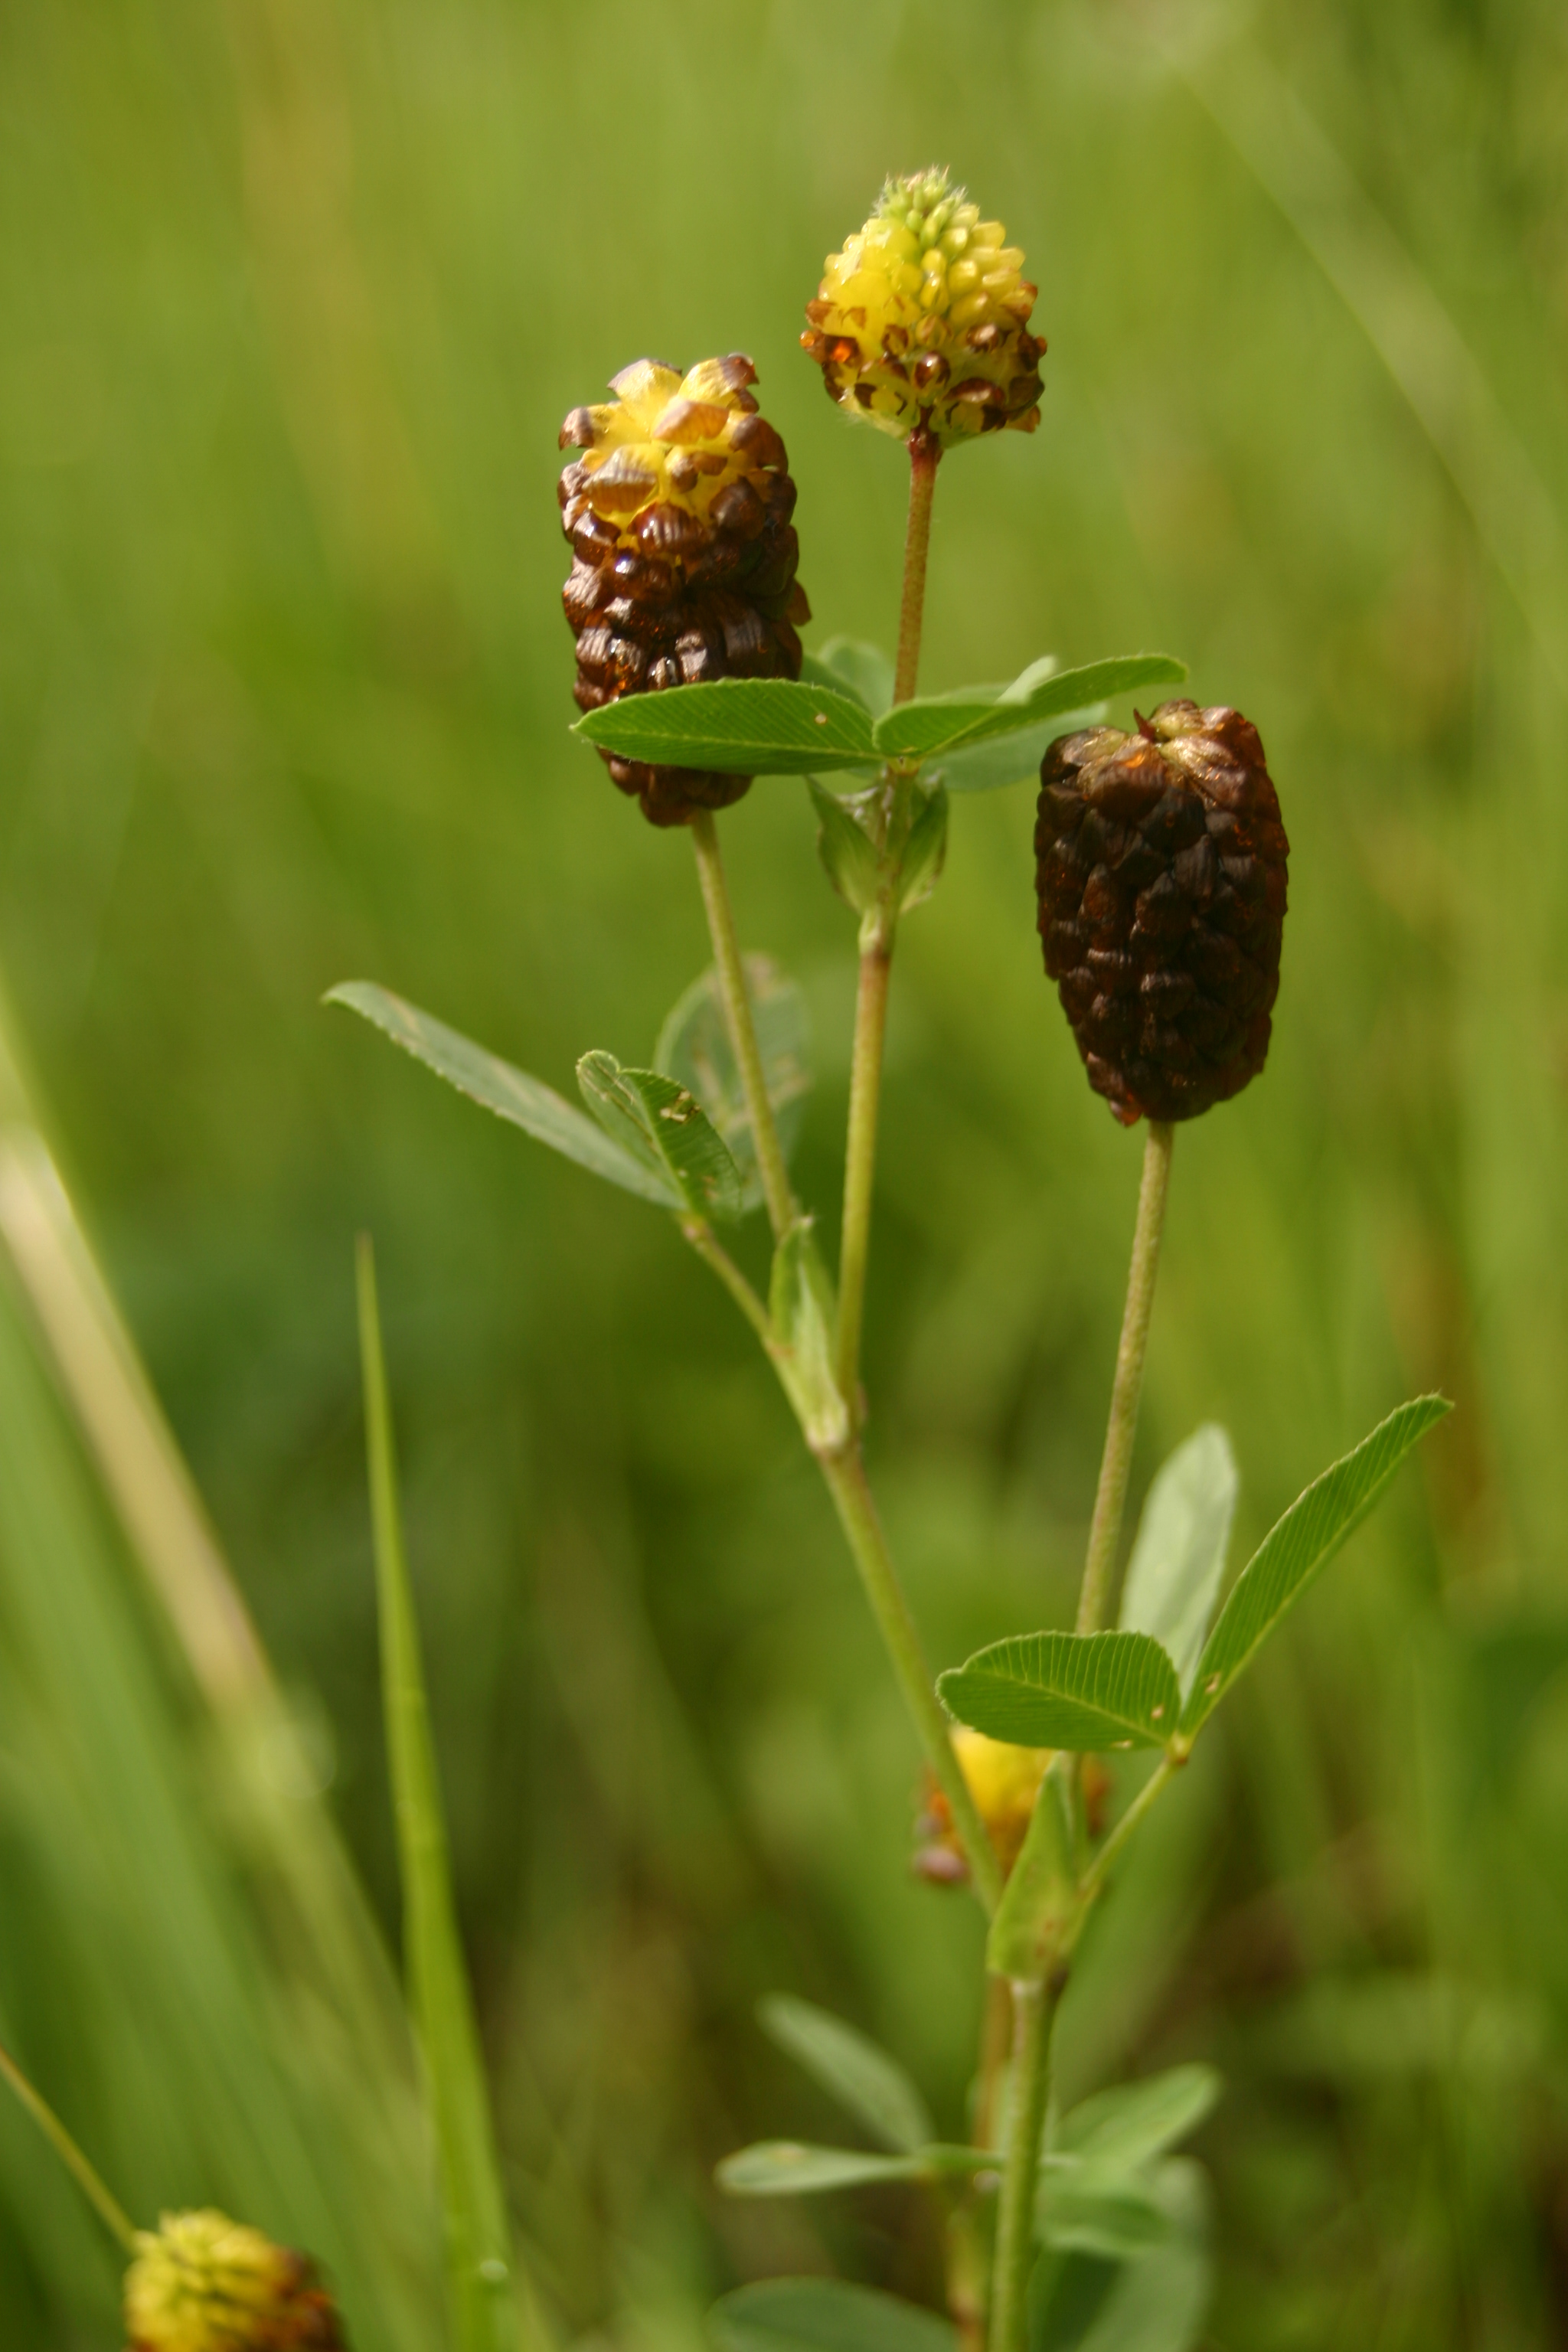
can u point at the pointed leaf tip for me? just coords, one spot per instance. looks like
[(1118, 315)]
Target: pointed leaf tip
[(508, 1092), (1300, 1543)]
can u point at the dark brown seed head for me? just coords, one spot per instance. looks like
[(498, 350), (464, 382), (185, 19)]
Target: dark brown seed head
[(677, 502), (1160, 876)]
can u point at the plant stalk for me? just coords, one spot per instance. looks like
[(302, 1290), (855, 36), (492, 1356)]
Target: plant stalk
[(108, 2207), (860, 1148), (711, 1251), (847, 1482), (742, 1028), (1116, 1462), (1100, 1869), (924, 453), (1034, 2014), (878, 934)]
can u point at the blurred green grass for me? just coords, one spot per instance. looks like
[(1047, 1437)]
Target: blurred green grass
[(296, 297)]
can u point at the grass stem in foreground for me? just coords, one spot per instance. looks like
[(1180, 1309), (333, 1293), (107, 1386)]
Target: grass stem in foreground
[(1110, 1496), (485, 2291), (108, 2207), (742, 1028)]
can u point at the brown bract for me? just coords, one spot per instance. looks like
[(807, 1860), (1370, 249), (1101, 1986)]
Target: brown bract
[(1160, 876), (677, 509)]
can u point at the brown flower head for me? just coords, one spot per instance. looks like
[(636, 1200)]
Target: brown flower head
[(677, 506), (1160, 877)]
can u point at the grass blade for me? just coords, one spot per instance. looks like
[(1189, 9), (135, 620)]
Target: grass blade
[(480, 2261)]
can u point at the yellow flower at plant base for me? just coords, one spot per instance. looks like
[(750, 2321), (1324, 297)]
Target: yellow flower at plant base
[(201, 2283), (921, 324), (1004, 1782)]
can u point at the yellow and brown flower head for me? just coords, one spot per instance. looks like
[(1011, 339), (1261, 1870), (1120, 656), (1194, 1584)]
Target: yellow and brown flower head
[(1004, 1782), (921, 322), (678, 508), (201, 2283)]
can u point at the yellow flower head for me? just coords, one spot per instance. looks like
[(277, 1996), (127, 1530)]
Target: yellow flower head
[(1004, 1782), (921, 322), (672, 458), (201, 2283)]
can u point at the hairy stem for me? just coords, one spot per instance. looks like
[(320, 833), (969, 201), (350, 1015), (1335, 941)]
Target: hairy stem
[(861, 1149), (924, 452), (1110, 1496), (109, 2211), (711, 1251), (878, 934), (1034, 2014), (845, 1476), (742, 1028), (1100, 1869)]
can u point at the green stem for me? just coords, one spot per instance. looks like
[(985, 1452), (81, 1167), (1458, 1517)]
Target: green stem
[(847, 1482), (861, 1149), (1034, 2014), (108, 2207), (1100, 1869), (713, 1252), (924, 452), (878, 934), (742, 1028), (1110, 1496)]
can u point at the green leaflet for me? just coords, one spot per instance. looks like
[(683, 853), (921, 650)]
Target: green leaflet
[(1173, 1577), (1011, 759), (817, 2315), (1040, 1908), (1127, 2126), (800, 1304), (849, 854), (1068, 1690), (510, 1093), (850, 666), (694, 1049), (867, 2082), (921, 730), (782, 728), (846, 849), (1081, 2302), (1116, 2214), (925, 852), (1298, 1546), (788, 2167), (662, 1125), (751, 727)]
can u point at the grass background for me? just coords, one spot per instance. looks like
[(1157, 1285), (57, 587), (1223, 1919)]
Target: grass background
[(295, 296)]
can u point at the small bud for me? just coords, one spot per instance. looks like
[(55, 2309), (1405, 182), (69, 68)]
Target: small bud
[(201, 2283), (921, 324), (1161, 877), (678, 504), (1004, 1783)]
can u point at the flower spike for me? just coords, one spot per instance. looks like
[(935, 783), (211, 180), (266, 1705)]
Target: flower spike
[(921, 324)]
